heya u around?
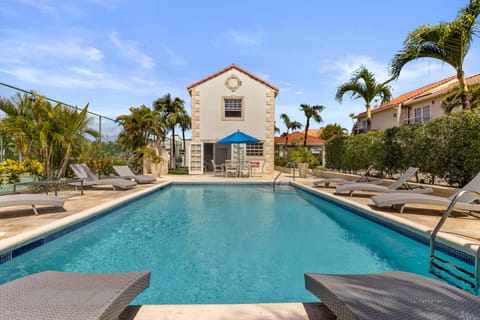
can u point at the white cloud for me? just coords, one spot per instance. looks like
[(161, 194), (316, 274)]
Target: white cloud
[(245, 38), (263, 76), (63, 9), (414, 75), (27, 48), (82, 78), (174, 58), (129, 51), (341, 70)]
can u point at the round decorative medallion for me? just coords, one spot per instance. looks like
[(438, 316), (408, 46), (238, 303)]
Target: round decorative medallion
[(233, 82)]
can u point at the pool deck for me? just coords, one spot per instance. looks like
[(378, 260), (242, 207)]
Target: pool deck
[(19, 223)]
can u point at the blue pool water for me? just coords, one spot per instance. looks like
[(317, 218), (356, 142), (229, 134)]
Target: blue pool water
[(226, 244)]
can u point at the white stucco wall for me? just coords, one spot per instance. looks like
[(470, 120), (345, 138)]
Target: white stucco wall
[(258, 119), (384, 119), (212, 127)]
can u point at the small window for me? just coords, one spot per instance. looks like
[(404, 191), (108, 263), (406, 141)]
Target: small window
[(233, 107), (255, 149)]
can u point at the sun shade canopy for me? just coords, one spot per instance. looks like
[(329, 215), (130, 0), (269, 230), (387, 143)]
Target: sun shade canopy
[(238, 137)]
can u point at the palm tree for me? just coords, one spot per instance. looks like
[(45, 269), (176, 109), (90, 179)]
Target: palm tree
[(50, 132), (140, 127), (74, 126), (363, 85), (454, 99), (171, 110), (185, 124), (291, 125), (18, 122), (448, 42), (332, 131), (311, 112)]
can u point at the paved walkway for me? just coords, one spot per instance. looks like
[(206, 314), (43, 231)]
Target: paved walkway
[(18, 221)]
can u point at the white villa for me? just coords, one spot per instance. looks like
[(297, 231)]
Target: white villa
[(229, 100), (417, 106)]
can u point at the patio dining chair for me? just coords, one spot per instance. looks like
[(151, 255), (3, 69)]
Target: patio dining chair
[(217, 169)]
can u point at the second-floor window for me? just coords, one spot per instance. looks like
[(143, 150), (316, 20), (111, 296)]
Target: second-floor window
[(233, 108)]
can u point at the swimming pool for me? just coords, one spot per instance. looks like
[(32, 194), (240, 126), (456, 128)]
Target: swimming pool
[(226, 244)]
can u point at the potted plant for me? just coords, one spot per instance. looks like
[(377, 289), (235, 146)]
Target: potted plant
[(303, 157), (152, 162)]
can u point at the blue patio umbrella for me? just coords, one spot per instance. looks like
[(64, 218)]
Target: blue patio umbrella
[(237, 138)]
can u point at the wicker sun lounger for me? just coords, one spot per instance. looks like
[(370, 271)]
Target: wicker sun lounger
[(88, 178), (52, 295), (363, 178), (394, 187), (402, 199), (126, 173), (30, 200), (392, 295)]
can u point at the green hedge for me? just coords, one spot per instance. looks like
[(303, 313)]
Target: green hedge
[(446, 147)]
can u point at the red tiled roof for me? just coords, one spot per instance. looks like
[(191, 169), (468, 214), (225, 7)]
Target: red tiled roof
[(297, 138), (232, 66), (471, 81), (407, 96)]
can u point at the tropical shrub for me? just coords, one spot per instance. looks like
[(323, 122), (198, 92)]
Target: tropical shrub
[(446, 147), (11, 170), (303, 155)]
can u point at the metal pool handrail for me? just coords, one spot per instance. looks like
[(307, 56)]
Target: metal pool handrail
[(288, 165), (476, 274)]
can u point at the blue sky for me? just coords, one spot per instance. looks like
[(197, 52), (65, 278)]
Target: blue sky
[(115, 54)]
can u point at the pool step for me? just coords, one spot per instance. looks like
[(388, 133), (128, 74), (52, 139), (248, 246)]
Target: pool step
[(453, 274), (471, 279)]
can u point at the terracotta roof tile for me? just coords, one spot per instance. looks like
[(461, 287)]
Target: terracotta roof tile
[(232, 66), (297, 138), (407, 96)]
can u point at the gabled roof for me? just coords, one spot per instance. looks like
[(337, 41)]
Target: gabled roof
[(408, 96), (297, 138), (471, 82), (232, 66)]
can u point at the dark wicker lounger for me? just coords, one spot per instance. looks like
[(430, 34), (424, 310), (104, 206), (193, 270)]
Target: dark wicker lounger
[(392, 295), (55, 295)]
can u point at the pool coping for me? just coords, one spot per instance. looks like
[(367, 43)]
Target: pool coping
[(386, 219)]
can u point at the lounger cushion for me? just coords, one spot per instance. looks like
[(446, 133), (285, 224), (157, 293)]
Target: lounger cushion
[(326, 182), (393, 199), (89, 179), (126, 173), (392, 295), (346, 188), (30, 199), (52, 295)]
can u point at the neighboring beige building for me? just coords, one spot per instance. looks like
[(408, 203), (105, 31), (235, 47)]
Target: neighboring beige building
[(230, 100), (417, 106)]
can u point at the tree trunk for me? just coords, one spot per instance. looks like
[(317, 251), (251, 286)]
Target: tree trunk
[(464, 90), (65, 160), (369, 118), (173, 156), (184, 162), (307, 126)]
